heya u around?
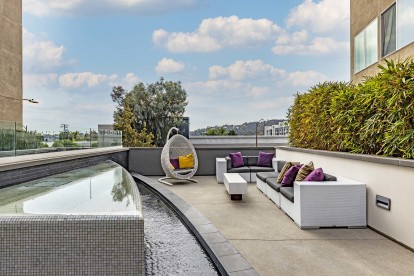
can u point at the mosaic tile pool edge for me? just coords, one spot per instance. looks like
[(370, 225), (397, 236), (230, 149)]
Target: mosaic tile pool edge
[(71, 245)]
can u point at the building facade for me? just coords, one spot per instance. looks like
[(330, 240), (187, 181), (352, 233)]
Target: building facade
[(11, 83), (380, 29), (281, 129)]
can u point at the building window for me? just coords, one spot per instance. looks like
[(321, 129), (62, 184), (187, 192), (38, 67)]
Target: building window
[(405, 22), (366, 47), (388, 31)]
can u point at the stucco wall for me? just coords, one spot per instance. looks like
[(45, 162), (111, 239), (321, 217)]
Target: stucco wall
[(11, 60), (364, 12), (394, 181)]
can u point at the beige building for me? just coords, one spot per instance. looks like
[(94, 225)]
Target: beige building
[(380, 29), (11, 84)]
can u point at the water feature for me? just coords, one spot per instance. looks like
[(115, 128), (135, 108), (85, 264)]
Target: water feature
[(170, 248)]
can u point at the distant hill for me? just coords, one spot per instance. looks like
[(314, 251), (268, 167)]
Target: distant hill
[(248, 128)]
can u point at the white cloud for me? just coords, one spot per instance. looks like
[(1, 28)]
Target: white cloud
[(305, 79), (279, 103), (242, 70), (169, 66), (317, 46), (43, 8), (321, 17), (89, 79), (41, 55), (259, 91), (217, 33), (129, 81), (31, 81)]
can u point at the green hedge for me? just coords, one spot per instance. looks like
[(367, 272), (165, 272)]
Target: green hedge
[(373, 117)]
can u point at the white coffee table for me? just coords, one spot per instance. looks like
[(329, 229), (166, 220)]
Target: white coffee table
[(235, 185)]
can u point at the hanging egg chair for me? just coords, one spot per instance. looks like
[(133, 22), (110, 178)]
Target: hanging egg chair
[(178, 147)]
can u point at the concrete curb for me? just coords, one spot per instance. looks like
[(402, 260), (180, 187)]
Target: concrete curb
[(225, 257)]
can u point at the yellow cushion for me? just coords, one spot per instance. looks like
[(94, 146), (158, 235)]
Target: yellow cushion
[(186, 162)]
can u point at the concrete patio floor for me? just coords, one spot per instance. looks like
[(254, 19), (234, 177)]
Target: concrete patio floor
[(274, 245)]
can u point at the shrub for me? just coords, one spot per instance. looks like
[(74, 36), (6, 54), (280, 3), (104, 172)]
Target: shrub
[(373, 117)]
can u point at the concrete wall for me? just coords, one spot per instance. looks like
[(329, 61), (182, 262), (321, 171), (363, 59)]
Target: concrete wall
[(389, 177), (364, 12), (234, 141), (146, 161), (11, 84)]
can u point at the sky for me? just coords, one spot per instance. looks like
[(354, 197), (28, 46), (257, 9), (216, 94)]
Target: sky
[(239, 61)]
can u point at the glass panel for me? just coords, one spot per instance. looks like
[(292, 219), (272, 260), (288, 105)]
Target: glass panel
[(371, 43), (359, 49), (388, 32), (405, 22)]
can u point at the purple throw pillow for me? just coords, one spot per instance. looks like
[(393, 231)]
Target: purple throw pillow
[(236, 159), (265, 159), (175, 163), (315, 175), (290, 175)]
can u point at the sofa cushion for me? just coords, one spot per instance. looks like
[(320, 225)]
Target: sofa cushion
[(288, 192), (290, 175), (328, 177), (255, 169), (174, 163), (186, 161), (251, 161), (236, 159), (265, 159), (316, 175), (305, 171), (265, 175), (272, 182), (280, 164), (285, 168), (243, 169)]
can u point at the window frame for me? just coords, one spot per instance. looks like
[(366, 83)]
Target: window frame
[(397, 47), (366, 65)]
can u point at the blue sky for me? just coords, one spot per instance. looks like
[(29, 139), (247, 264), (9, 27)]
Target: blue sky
[(239, 61)]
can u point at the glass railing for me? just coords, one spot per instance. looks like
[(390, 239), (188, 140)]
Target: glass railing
[(15, 139)]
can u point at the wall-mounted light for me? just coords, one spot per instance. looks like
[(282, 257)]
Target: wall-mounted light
[(16, 99)]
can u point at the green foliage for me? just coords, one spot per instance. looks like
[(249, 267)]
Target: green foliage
[(151, 109), (216, 131), (231, 132), (65, 143), (374, 117)]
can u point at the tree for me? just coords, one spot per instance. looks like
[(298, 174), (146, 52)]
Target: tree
[(153, 108), (216, 131), (124, 121), (231, 132)]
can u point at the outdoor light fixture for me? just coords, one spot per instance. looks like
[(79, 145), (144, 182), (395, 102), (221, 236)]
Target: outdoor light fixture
[(29, 100)]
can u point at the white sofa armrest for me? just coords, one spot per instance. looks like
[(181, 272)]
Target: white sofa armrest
[(221, 168)]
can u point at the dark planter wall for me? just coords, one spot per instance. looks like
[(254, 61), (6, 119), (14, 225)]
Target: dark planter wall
[(147, 161)]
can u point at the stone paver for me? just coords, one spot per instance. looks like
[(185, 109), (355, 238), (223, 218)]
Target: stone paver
[(272, 243)]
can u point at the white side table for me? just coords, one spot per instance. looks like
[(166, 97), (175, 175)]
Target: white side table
[(221, 168), (235, 185)]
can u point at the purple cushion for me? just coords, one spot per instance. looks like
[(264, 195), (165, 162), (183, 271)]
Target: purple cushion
[(315, 175), (175, 163), (290, 175), (236, 159), (265, 159)]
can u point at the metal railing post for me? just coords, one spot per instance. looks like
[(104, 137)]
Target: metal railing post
[(15, 139)]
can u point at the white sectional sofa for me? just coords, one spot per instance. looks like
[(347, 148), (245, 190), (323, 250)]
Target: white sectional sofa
[(334, 202)]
